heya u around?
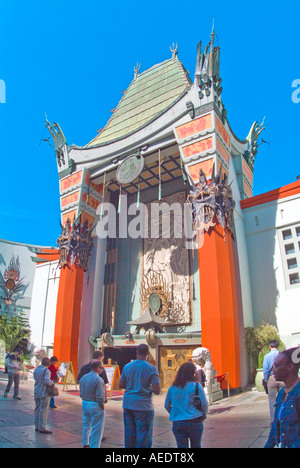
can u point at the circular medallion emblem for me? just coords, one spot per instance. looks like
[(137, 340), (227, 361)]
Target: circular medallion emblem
[(10, 284), (154, 302), (130, 169)]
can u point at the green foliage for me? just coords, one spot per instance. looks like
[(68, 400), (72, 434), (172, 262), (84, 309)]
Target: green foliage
[(14, 331), (257, 341), (2, 352)]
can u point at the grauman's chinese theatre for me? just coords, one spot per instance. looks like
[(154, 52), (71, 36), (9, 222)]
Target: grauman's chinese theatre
[(167, 141)]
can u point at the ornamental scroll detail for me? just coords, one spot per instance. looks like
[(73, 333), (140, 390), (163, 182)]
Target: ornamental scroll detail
[(211, 201), (75, 244), (154, 283)]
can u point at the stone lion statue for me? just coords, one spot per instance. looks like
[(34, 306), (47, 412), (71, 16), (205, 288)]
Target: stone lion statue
[(38, 355)]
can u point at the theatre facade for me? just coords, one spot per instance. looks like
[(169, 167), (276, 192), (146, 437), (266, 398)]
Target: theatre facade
[(158, 244)]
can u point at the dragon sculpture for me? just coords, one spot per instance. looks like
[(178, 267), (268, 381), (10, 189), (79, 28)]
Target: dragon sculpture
[(211, 202), (75, 244)]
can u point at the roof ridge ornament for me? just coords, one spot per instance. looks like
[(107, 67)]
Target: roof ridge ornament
[(252, 138), (174, 50), (65, 164), (136, 70), (207, 72)]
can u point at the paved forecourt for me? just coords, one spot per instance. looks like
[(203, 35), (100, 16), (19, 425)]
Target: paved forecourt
[(240, 421)]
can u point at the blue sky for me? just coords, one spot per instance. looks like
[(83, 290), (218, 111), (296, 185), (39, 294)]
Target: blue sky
[(72, 59)]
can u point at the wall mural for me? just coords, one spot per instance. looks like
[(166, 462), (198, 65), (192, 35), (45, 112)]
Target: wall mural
[(11, 282), (166, 261)]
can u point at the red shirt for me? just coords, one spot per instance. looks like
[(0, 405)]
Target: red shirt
[(53, 371)]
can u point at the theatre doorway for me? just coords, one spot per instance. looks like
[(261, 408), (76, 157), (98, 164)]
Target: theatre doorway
[(120, 355)]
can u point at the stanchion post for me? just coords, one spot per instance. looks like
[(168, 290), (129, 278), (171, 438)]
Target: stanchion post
[(228, 387)]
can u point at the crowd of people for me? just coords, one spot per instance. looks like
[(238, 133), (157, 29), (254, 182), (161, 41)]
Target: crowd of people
[(185, 401)]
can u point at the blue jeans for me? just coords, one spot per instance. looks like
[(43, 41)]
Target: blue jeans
[(138, 428), (13, 379), (52, 402), (188, 430), (92, 423)]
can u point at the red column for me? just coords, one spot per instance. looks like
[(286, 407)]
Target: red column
[(219, 291), (66, 336)]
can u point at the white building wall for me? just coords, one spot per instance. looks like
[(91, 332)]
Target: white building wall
[(50, 308), (274, 299), (43, 305)]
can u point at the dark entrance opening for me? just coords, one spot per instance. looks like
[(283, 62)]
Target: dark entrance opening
[(120, 356)]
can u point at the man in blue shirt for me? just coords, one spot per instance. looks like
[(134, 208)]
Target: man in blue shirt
[(140, 379), (273, 385), (92, 393)]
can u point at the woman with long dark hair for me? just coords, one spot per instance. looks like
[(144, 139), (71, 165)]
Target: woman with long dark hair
[(186, 414)]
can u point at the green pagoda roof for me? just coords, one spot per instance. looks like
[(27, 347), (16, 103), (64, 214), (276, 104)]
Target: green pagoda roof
[(148, 96)]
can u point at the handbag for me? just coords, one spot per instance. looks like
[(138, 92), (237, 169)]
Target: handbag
[(51, 390), (197, 399), (265, 385)]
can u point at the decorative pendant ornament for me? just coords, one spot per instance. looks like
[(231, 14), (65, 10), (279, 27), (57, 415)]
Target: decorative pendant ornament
[(120, 198), (159, 176), (103, 193), (138, 197), (182, 171)]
